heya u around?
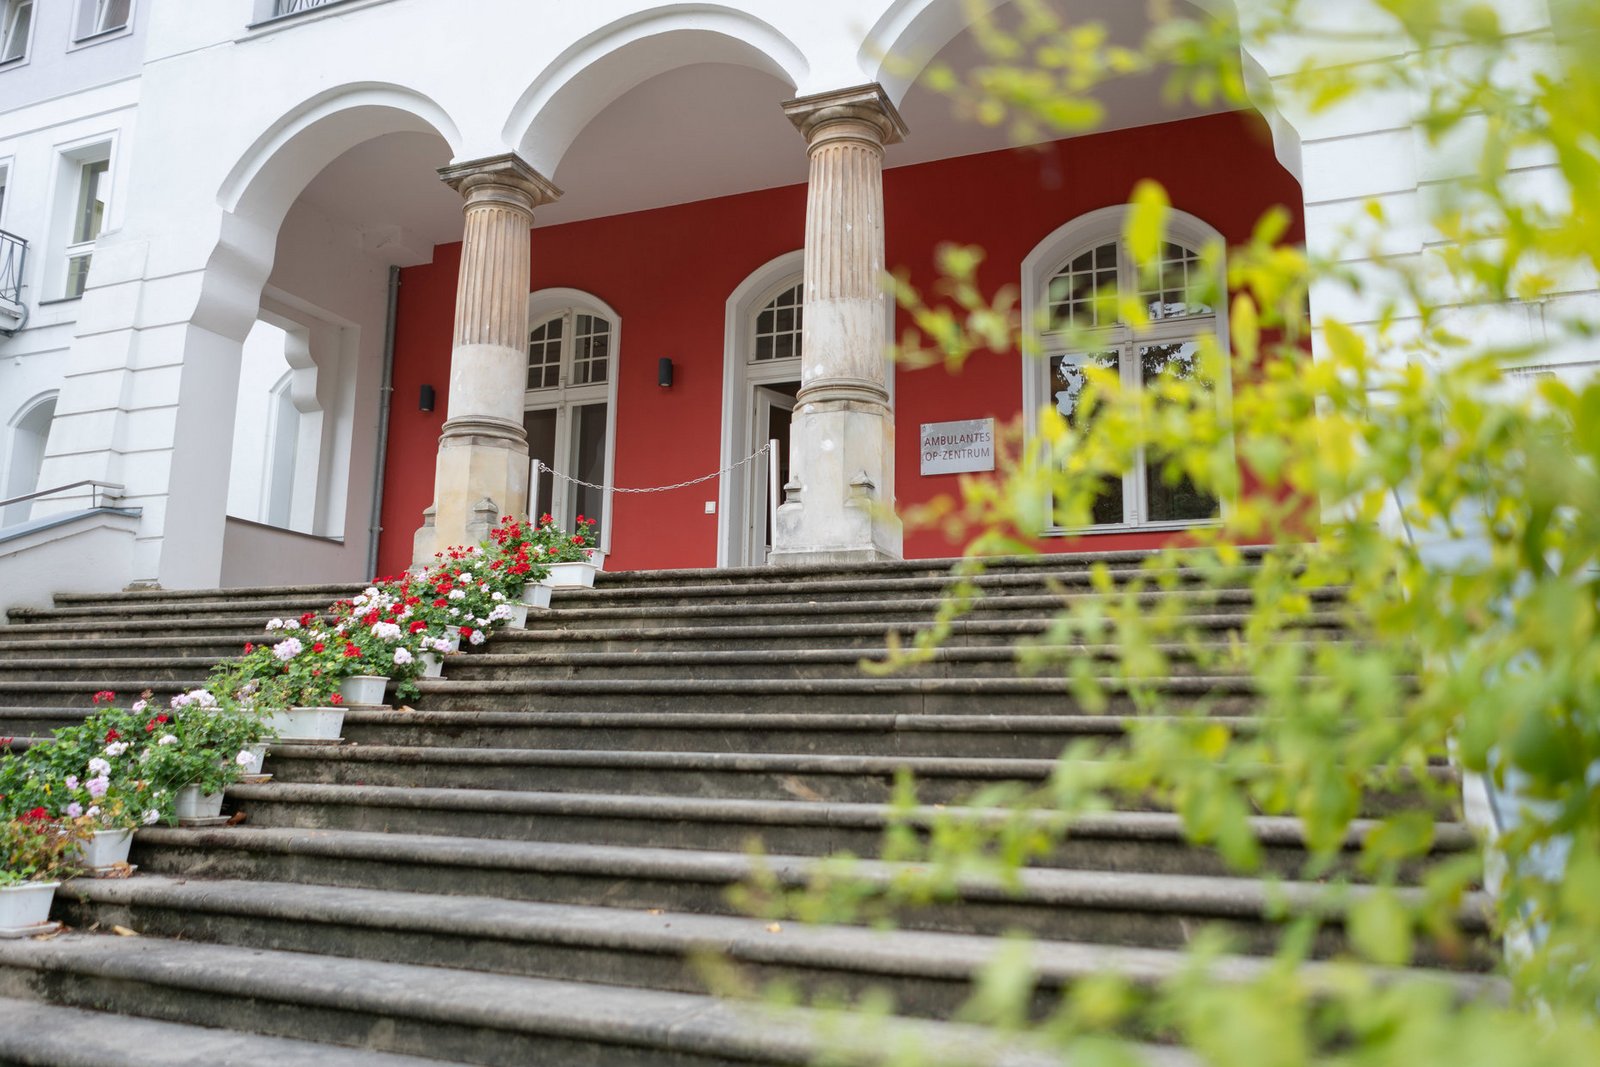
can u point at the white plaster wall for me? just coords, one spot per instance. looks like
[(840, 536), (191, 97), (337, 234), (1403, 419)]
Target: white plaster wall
[(324, 279), (56, 65), (87, 554), (261, 369)]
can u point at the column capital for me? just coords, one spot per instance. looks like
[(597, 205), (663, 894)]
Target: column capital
[(863, 104), (503, 178)]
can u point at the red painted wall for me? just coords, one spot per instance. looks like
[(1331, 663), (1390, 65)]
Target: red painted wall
[(668, 274)]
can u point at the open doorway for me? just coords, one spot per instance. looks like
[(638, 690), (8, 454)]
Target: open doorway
[(771, 413)]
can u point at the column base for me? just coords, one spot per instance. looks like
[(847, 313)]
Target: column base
[(829, 557), (839, 503)]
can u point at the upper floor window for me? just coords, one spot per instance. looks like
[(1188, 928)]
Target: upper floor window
[(16, 22), (777, 326), (1075, 282), (101, 16), (88, 217)]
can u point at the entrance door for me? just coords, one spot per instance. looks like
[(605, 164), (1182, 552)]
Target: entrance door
[(567, 414), (771, 411)]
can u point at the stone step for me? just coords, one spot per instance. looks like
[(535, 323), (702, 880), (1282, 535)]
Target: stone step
[(550, 635), (850, 778), (458, 1015), (859, 693), (749, 594), (865, 734), (1123, 908), (204, 647), (884, 614), (1150, 842), (995, 661), (33, 1034), (927, 973), (554, 639)]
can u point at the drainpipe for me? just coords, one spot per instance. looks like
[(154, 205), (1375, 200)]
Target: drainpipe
[(385, 394)]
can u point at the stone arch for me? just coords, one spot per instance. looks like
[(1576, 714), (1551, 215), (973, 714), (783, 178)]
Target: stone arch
[(911, 32), (603, 65)]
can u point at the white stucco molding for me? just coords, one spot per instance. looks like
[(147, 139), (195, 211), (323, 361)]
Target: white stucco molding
[(307, 137), (601, 66)]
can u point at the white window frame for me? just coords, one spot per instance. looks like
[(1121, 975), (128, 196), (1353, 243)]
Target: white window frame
[(545, 304), (1047, 258), (5, 186), (8, 9), (95, 11), (74, 249)]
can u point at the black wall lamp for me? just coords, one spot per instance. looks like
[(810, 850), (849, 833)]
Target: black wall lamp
[(664, 373), (425, 400)]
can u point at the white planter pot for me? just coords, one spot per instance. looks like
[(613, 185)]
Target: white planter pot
[(536, 595), (190, 803), (453, 635), (23, 907), (105, 848), (307, 724), (572, 575), (258, 758), (363, 689), (432, 665), (519, 615)]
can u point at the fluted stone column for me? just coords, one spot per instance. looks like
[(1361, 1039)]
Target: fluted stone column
[(482, 470), (839, 503)]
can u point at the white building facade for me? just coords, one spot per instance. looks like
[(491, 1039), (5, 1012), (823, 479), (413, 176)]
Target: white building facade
[(219, 202)]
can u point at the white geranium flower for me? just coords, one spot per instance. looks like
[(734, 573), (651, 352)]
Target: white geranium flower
[(458, 594), (477, 637), (244, 758), (275, 624), (386, 631), (139, 706), (402, 657), (290, 624), (287, 649), (98, 766), (116, 748), (151, 816), (167, 739), (497, 596)]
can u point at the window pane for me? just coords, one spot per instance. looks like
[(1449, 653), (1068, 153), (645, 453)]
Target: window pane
[(1067, 379), (589, 461), (1181, 285), (590, 349), (779, 326), (544, 355), (541, 428), (1180, 500), (77, 275), (1071, 295), (91, 202), (14, 31)]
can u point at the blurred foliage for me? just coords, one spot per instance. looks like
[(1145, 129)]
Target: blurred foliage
[(1411, 483)]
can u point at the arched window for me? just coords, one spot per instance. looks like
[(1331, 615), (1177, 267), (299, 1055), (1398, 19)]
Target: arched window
[(570, 405), (1073, 283), (777, 327)]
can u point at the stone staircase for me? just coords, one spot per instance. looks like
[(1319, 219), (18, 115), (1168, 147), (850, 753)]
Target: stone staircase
[(532, 865)]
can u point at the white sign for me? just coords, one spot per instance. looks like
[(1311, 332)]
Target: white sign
[(957, 447)]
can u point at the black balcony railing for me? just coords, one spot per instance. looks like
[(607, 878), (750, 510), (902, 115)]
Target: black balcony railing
[(13, 257)]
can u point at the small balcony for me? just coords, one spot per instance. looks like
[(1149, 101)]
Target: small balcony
[(13, 257)]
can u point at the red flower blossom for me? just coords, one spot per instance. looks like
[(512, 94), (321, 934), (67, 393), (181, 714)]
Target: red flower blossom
[(318, 647), (417, 626), (305, 620), (111, 735), (104, 696), (248, 648), (336, 699), (351, 651), (36, 815)]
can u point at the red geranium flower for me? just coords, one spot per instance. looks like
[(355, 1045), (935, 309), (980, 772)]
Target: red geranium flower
[(111, 735), (36, 815), (336, 699), (104, 696), (318, 647)]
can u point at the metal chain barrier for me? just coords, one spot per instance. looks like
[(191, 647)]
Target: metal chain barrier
[(539, 465)]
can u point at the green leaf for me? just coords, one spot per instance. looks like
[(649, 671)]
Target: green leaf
[(1147, 221), (1380, 928)]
